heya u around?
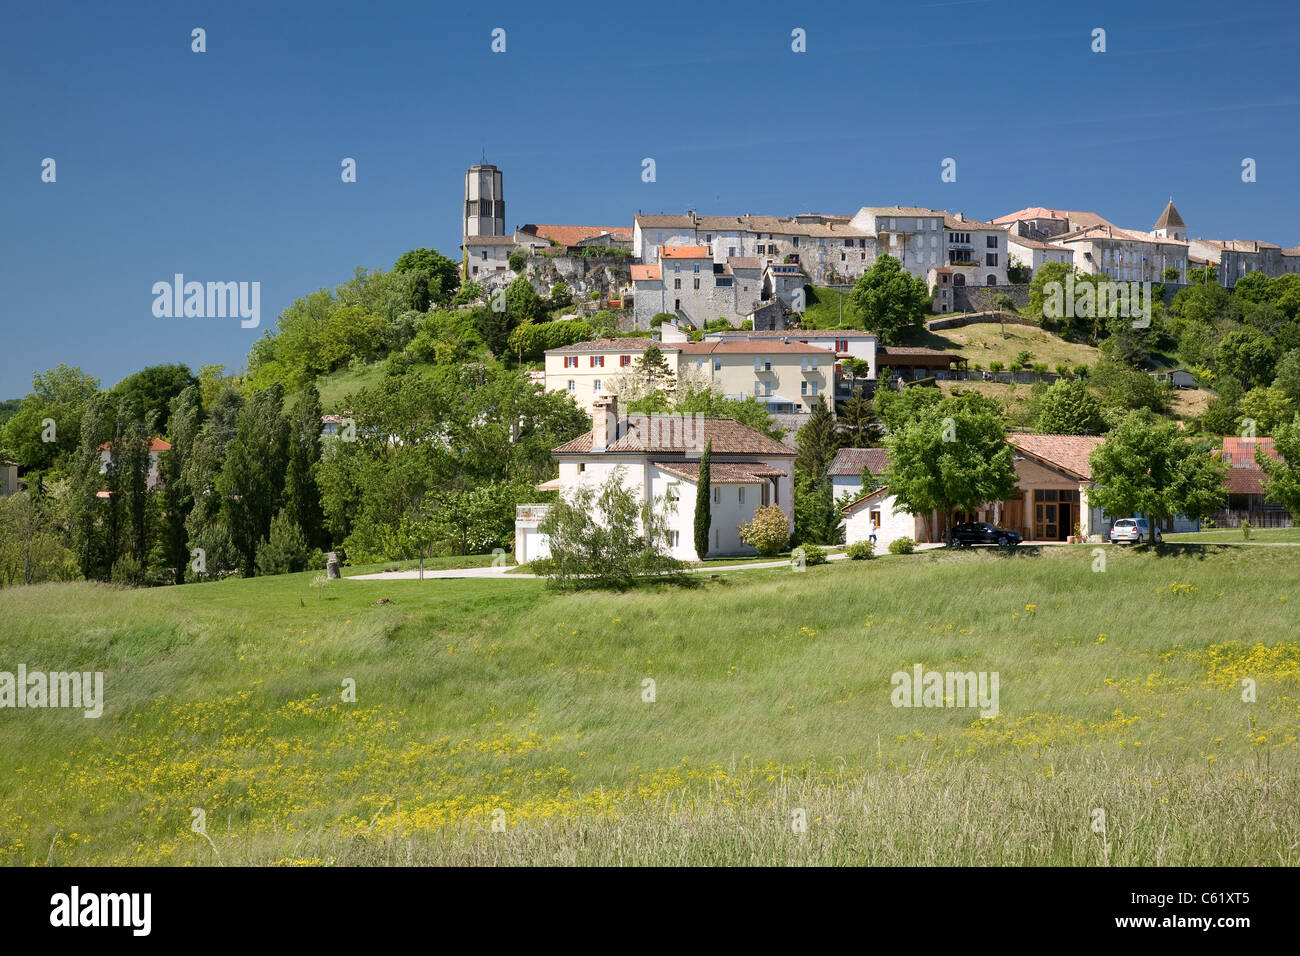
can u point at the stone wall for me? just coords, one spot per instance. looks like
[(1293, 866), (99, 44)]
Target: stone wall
[(963, 299), (973, 318)]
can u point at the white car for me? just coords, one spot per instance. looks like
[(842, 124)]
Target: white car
[(1132, 530)]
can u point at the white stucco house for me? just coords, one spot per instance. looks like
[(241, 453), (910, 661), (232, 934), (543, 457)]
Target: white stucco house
[(658, 456)]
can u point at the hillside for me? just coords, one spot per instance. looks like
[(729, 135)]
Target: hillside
[(479, 696)]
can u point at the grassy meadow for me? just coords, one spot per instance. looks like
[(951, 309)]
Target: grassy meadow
[(498, 722)]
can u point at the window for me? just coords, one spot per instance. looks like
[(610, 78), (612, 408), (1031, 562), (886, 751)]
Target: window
[(674, 536), (483, 254), (717, 365), (570, 361), (758, 388), (990, 242), (841, 345), (598, 361), (624, 360), (707, 239), (843, 257), (697, 283), (595, 385), (794, 241), (677, 268), (573, 386), (741, 491), (875, 519), (848, 243), (767, 388), (803, 364), (717, 495), (990, 258), (723, 281), (814, 363), (758, 365), (677, 283), (814, 389), (803, 388), (697, 268)]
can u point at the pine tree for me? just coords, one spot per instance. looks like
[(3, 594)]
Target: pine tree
[(301, 495), (703, 503)]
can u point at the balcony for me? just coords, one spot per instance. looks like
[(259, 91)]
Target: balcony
[(534, 513)]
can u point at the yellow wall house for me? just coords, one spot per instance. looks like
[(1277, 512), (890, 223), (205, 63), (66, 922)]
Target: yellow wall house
[(786, 377)]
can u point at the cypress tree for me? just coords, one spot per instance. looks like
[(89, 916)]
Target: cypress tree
[(703, 503)]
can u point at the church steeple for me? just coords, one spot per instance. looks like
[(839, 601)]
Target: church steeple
[(1170, 225)]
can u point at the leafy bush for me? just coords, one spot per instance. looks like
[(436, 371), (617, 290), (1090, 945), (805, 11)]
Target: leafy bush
[(996, 367), (811, 554), (1063, 371), (903, 545), (768, 533), (1040, 368), (603, 538), (1023, 357), (1080, 371), (860, 550), (517, 260)]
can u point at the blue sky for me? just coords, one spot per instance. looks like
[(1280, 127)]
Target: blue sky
[(225, 165)]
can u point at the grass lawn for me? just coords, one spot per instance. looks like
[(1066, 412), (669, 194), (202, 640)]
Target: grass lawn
[(498, 722), (1233, 535), (985, 342)]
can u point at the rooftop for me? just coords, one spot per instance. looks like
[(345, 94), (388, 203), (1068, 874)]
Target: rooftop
[(853, 461), (1067, 452), (729, 437)]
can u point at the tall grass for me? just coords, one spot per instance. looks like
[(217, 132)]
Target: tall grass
[(495, 721)]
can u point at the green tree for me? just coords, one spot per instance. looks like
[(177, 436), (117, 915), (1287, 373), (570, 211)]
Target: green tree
[(604, 538), (301, 494), (44, 432), (897, 409), (1149, 468), (252, 479), (955, 455), (285, 549), (889, 299), (1246, 355), (441, 275), (1069, 408), (703, 503), (1268, 407), (1287, 375), (856, 422), (561, 296), (1283, 485)]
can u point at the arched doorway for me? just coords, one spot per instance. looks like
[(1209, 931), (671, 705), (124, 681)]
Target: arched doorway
[(958, 279), (992, 280)]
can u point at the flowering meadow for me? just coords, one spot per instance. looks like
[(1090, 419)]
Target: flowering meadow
[(744, 720)]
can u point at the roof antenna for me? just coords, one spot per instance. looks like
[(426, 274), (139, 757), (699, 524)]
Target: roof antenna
[(484, 155)]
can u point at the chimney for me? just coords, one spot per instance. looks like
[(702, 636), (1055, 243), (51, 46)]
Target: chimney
[(959, 217), (604, 418)]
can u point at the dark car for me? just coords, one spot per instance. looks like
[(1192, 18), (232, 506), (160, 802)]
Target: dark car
[(981, 532)]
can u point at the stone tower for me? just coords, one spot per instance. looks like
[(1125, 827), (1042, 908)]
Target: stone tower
[(1170, 225), (485, 205)]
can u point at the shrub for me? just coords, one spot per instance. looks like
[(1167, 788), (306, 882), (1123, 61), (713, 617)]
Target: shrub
[(903, 545), (1023, 357), (603, 537), (995, 367), (1080, 371), (1017, 367), (811, 554), (659, 318), (1063, 371), (1040, 368), (768, 533), (517, 260), (860, 550)]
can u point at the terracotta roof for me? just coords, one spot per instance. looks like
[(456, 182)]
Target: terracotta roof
[(489, 240), (1245, 481), (852, 461), (684, 252), (572, 235), (729, 437), (1240, 452), (1083, 219), (751, 348), (903, 211), (723, 472), (155, 445), (1115, 232), (864, 498), (626, 344), (646, 273), (1170, 218), (796, 335), (1035, 244), (1067, 452), (952, 222)]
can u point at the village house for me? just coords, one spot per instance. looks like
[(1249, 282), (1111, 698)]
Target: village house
[(1044, 224), (156, 447), (912, 235), (979, 246), (687, 283), (1245, 482), (587, 370), (1033, 253), (851, 343), (658, 457)]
